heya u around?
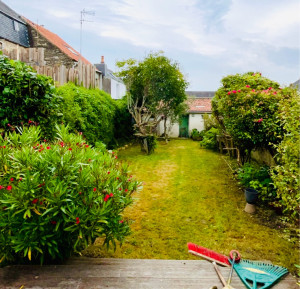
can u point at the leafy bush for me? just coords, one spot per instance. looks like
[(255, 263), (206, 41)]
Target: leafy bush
[(196, 135), (90, 111), (123, 129), (56, 198), (285, 174), (209, 140), (258, 178), (246, 107), (26, 97)]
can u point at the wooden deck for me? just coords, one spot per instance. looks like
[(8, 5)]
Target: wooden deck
[(90, 273)]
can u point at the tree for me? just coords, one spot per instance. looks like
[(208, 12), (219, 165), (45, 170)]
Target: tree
[(156, 88)]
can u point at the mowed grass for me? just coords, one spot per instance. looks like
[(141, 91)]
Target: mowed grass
[(189, 196)]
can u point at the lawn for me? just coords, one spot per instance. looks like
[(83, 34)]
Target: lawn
[(189, 195)]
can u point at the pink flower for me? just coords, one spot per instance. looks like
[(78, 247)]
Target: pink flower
[(229, 92), (270, 88), (35, 201), (9, 188), (77, 220), (239, 90), (260, 120), (253, 90), (234, 91), (247, 85), (111, 195), (1, 187), (121, 222)]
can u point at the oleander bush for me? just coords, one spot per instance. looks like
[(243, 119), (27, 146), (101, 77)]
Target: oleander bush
[(57, 197)]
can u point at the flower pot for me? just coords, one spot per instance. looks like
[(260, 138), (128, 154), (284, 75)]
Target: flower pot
[(251, 195)]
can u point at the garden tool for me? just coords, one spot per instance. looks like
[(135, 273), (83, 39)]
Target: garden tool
[(226, 286), (256, 274)]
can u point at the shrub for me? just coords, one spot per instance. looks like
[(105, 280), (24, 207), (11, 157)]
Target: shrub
[(196, 135), (56, 198), (123, 128), (26, 97), (247, 108), (90, 111), (258, 178), (285, 174), (209, 140)]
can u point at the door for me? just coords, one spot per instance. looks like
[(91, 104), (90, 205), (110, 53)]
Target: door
[(184, 126)]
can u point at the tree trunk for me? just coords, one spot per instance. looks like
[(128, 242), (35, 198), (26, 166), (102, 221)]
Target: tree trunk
[(144, 145), (165, 129)]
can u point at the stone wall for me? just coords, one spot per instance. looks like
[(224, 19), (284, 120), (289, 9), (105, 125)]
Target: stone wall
[(53, 56)]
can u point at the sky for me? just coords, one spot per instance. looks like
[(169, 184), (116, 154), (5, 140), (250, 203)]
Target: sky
[(209, 39)]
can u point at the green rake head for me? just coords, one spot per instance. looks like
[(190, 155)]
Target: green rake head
[(259, 275)]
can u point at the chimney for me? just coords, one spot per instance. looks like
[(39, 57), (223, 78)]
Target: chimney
[(102, 59)]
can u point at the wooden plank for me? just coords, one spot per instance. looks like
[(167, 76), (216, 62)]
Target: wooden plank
[(121, 273)]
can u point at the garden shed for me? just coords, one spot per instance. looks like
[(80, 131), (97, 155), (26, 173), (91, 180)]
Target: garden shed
[(199, 104)]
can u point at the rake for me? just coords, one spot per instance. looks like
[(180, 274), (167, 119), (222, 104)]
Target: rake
[(259, 275)]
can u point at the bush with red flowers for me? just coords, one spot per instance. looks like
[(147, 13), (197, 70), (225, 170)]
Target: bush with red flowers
[(57, 198)]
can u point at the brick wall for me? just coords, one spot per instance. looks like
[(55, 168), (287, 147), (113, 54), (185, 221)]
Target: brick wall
[(53, 56)]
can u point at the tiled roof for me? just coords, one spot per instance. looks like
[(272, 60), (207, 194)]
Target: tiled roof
[(204, 94), (199, 105), (58, 42), (9, 12), (12, 27)]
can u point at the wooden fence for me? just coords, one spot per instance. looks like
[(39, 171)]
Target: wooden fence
[(83, 74)]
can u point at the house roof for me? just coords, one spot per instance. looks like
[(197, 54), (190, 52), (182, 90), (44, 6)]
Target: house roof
[(199, 105), (13, 28), (58, 42), (205, 94), (9, 12)]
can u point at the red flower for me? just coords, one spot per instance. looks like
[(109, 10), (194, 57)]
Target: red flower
[(94, 189), (77, 220), (108, 173), (30, 121), (53, 222), (35, 201), (260, 120), (121, 222), (1, 187), (41, 202), (69, 149), (80, 193), (48, 148), (234, 91), (120, 189), (9, 188), (126, 190), (270, 88), (4, 147), (86, 146), (106, 198), (111, 195), (116, 157), (11, 179), (229, 92), (45, 140), (20, 179), (247, 85), (239, 90)]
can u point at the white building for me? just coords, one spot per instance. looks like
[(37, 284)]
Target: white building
[(111, 84)]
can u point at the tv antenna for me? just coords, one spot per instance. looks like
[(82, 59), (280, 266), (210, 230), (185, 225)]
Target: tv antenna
[(83, 13)]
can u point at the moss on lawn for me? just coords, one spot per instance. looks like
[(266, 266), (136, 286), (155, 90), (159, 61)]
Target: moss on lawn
[(190, 196)]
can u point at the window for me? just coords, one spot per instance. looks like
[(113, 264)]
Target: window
[(16, 26)]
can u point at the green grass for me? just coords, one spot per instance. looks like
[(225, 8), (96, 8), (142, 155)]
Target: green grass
[(189, 196)]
